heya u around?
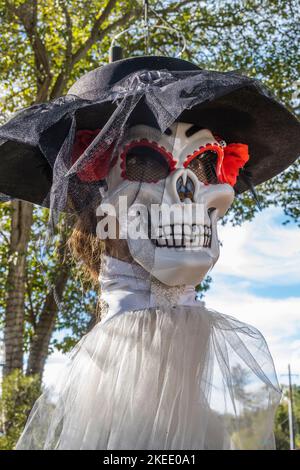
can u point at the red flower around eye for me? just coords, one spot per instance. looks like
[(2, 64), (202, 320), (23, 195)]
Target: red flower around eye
[(235, 157), (97, 168)]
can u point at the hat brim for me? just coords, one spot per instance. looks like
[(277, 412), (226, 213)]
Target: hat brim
[(24, 173)]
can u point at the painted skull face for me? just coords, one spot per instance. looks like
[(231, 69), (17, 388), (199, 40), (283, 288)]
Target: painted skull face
[(181, 175)]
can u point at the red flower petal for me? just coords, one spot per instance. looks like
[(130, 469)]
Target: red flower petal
[(97, 168), (235, 157)]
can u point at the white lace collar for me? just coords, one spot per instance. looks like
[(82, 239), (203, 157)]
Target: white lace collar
[(127, 286)]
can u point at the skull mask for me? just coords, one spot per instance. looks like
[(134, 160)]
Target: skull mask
[(178, 170)]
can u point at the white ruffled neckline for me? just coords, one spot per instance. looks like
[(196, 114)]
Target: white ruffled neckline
[(127, 286)]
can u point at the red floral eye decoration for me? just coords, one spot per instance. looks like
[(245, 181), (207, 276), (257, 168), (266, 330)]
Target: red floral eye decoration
[(229, 159), (145, 161), (98, 167), (235, 157), (214, 148)]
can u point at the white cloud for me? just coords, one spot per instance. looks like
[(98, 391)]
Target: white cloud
[(54, 367), (264, 253), (261, 250), (277, 319)]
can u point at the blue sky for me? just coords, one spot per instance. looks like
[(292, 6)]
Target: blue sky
[(256, 280)]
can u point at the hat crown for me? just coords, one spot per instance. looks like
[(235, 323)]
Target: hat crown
[(94, 82)]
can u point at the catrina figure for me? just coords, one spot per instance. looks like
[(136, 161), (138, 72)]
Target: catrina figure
[(148, 153)]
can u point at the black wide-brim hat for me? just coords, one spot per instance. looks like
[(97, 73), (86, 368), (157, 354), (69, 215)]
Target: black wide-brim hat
[(146, 90)]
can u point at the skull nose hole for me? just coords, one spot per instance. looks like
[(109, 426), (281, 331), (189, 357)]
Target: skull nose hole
[(185, 190)]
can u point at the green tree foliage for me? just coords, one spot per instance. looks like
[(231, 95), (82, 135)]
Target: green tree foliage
[(79, 301), (18, 394), (282, 421)]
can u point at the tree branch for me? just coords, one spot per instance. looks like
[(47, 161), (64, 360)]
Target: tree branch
[(69, 34), (6, 239), (174, 7), (26, 13), (93, 37), (100, 34), (67, 65), (82, 51), (39, 346), (30, 308)]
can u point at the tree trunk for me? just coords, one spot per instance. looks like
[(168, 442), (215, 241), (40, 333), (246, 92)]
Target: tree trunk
[(14, 313), (39, 346)]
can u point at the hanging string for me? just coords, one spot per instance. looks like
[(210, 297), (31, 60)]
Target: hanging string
[(115, 51), (168, 26)]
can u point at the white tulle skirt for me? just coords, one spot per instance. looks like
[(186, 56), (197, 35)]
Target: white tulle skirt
[(161, 378)]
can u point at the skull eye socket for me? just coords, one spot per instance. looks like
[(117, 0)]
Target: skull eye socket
[(146, 164), (204, 166)]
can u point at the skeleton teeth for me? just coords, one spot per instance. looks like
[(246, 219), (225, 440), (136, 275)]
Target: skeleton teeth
[(178, 235), (205, 236), (167, 231), (186, 240), (202, 236), (170, 241), (197, 241), (183, 236), (177, 231), (187, 231)]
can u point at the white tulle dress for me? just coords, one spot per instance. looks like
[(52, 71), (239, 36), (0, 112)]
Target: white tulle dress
[(160, 371)]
